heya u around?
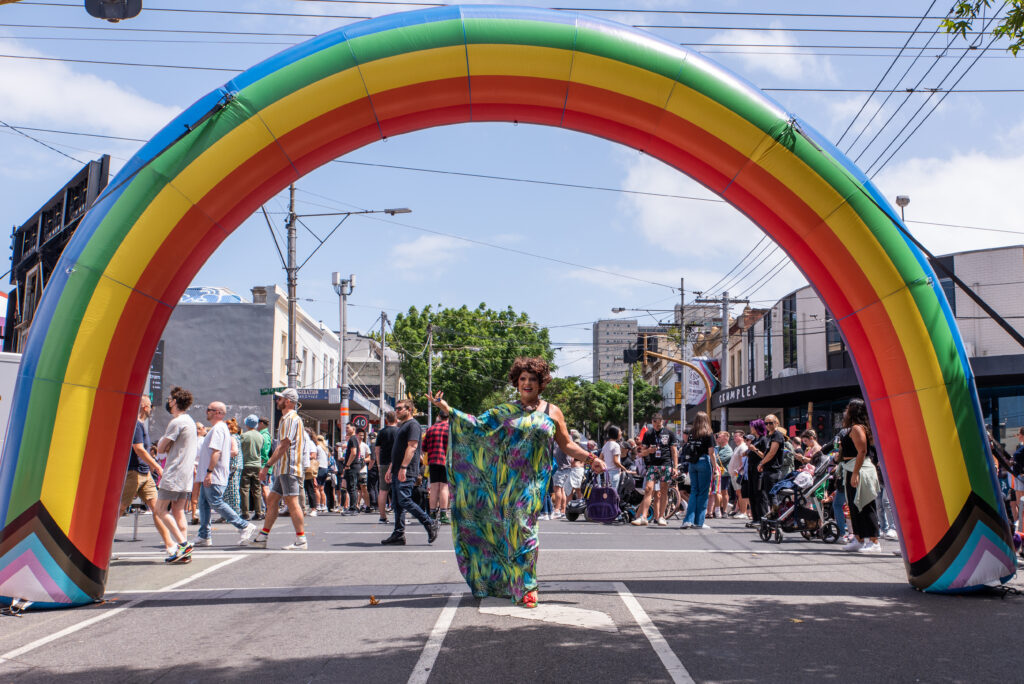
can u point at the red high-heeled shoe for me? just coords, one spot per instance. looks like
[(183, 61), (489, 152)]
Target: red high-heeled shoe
[(530, 599)]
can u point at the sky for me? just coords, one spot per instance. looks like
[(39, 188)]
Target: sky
[(560, 225)]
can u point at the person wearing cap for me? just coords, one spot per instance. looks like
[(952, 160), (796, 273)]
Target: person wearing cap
[(289, 479), (252, 450)]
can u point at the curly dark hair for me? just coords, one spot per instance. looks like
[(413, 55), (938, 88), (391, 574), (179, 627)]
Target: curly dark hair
[(182, 398), (535, 365), (857, 414)]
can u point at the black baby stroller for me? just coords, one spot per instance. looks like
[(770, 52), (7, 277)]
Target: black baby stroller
[(797, 507)]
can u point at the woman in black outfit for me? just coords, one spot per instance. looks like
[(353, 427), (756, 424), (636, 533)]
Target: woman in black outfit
[(854, 440), (772, 467), (752, 483)]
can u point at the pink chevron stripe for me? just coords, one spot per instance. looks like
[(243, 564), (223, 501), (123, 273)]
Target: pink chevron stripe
[(29, 560)]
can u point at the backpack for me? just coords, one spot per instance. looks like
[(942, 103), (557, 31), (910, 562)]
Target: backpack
[(788, 457)]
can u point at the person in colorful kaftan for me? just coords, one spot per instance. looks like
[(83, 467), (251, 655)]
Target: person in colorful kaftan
[(499, 466)]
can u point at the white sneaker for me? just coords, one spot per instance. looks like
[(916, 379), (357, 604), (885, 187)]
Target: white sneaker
[(740, 516), (686, 525), (312, 514), (854, 545), (545, 517), (639, 522), (248, 533), (199, 541), (705, 526), (891, 535), (298, 545), (662, 522), (870, 547), (260, 542)]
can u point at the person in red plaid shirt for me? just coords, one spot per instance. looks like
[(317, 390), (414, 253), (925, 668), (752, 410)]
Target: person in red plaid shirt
[(435, 446)]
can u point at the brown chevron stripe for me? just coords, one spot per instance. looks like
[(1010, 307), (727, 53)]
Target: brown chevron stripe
[(37, 520), (925, 571)]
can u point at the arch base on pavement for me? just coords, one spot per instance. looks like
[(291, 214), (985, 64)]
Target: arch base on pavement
[(119, 278)]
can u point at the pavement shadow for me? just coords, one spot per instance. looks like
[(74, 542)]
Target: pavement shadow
[(795, 631)]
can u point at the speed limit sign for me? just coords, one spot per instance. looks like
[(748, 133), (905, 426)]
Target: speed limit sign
[(360, 422)]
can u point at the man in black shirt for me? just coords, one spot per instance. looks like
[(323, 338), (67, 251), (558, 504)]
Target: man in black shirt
[(405, 466), (382, 457), (662, 460)]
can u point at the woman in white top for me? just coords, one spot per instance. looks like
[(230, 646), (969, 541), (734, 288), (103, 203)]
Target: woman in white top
[(737, 471), (611, 453)]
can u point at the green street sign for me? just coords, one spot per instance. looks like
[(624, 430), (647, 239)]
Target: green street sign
[(270, 390)]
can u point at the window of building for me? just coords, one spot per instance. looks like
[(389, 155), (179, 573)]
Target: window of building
[(767, 345), (284, 355), (789, 331), (836, 355), (750, 354), (948, 286), (305, 368)]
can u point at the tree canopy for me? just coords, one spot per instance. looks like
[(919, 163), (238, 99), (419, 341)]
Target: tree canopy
[(964, 14), (594, 405), (473, 351)]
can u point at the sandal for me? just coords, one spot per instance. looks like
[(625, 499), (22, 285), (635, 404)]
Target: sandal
[(530, 599)]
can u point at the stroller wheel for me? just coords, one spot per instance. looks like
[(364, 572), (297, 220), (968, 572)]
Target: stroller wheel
[(572, 515), (830, 532), (778, 536), (764, 531)]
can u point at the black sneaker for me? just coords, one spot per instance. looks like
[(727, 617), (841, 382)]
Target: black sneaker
[(432, 531), (395, 539)]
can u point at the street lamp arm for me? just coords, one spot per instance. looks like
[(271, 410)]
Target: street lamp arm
[(326, 238), (697, 369)]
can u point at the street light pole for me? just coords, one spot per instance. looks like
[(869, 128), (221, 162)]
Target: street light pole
[(383, 360), (344, 288), (293, 277), (631, 367), (430, 373)]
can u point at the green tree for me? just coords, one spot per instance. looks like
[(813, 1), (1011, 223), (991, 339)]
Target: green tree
[(965, 12), (473, 351)]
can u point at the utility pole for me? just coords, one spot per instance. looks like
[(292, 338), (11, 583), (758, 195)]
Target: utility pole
[(383, 361), (631, 367), (430, 373), (344, 288), (293, 277), (682, 352), (724, 362)]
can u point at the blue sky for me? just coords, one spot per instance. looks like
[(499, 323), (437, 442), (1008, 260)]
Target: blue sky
[(962, 166)]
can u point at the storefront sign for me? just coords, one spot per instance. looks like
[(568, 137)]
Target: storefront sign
[(736, 394)]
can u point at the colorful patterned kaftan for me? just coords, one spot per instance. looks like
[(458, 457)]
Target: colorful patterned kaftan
[(499, 465)]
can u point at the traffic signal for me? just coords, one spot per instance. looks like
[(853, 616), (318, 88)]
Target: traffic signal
[(630, 356)]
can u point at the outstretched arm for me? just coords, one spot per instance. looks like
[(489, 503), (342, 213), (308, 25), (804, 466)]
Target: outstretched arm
[(570, 447)]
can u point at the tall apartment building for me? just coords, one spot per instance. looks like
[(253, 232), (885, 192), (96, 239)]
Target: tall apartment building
[(611, 338)]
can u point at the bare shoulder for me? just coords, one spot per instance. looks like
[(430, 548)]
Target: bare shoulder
[(556, 413)]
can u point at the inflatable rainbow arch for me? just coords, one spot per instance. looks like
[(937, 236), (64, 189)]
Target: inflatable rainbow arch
[(106, 305)]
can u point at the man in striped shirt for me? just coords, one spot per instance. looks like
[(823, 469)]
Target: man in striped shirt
[(289, 475)]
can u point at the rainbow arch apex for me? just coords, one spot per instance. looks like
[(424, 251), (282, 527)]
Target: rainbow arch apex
[(215, 163)]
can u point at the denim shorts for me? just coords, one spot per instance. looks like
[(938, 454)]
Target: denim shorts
[(287, 485)]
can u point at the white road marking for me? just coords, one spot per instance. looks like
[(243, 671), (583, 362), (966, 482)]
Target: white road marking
[(421, 673), (10, 655), (242, 551), (672, 664), (546, 612)]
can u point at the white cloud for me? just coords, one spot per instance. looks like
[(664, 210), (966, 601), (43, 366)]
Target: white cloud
[(972, 189), (54, 95), (695, 229), (782, 63), (427, 255)]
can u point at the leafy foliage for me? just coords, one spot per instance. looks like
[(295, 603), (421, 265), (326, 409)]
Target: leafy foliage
[(965, 12), (594, 405), (473, 351)]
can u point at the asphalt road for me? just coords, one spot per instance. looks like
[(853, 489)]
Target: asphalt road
[(618, 604)]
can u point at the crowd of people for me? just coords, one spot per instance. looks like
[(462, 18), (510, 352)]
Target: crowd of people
[(241, 474)]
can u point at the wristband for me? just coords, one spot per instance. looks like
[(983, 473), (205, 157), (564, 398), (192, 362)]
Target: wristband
[(209, 471)]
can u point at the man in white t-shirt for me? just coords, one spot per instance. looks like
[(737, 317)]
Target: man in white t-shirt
[(611, 452), (179, 446), (214, 462)]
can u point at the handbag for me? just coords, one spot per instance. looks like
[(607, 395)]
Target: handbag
[(602, 504)]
